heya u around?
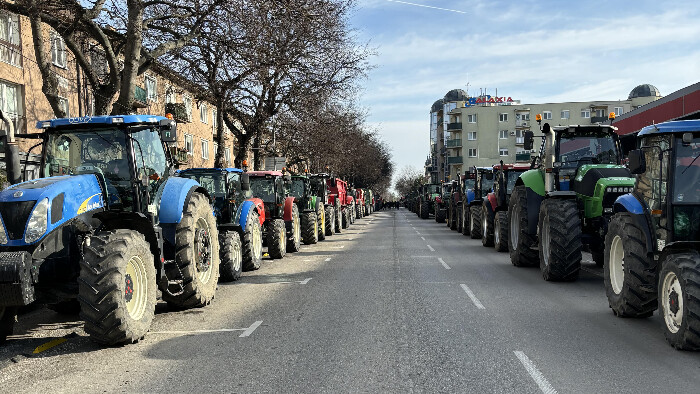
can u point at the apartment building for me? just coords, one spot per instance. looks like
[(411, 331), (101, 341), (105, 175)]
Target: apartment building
[(22, 99)]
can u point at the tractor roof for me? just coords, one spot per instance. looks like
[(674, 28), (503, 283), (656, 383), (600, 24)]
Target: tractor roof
[(676, 126), (514, 166), (101, 121), (590, 127), (263, 173), (323, 174), (230, 169)]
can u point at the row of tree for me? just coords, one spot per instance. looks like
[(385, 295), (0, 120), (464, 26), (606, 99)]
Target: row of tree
[(281, 73)]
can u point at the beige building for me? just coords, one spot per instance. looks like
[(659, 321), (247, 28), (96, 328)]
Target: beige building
[(22, 99)]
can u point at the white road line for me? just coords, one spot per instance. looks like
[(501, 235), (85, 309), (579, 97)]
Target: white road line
[(431, 248), (417, 233), (535, 373), (592, 272), (305, 281), (471, 295), (307, 260), (250, 329), (423, 238), (341, 246), (444, 264), (327, 259), (192, 332)]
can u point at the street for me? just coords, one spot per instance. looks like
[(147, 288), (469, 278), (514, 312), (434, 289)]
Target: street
[(392, 304)]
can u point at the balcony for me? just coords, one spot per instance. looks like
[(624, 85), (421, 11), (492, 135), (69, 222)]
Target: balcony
[(598, 119), (522, 123), (519, 140), (454, 160), (456, 143), (140, 97), (454, 126), (523, 156)]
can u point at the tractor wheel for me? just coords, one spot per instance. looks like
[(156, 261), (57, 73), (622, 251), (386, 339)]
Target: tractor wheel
[(117, 287), (439, 214), (500, 231), (330, 220), (294, 240), (338, 218), (309, 228), (230, 256), (454, 219), (321, 222), (8, 315), (520, 241), (486, 227), (465, 219), (424, 211), (346, 218), (475, 222), (679, 296), (560, 240), (276, 238), (252, 242), (629, 276), (196, 255)]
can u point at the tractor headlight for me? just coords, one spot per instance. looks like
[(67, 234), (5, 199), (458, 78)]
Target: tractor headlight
[(38, 221), (3, 234)]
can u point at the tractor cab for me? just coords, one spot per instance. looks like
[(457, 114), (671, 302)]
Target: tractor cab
[(228, 188), (271, 188), (506, 176)]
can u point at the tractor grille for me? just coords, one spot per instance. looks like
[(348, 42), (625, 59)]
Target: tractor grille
[(15, 215), (609, 199)]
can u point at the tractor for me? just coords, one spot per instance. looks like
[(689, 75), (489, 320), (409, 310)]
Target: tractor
[(106, 225), (426, 204), (494, 215), (474, 199), (313, 214), (566, 200), (282, 227), (369, 196), (319, 188), (441, 202), (338, 199), (239, 218), (360, 198), (454, 205), (652, 247), (466, 189)]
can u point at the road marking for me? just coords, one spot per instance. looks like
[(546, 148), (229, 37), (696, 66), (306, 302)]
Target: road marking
[(341, 246), (423, 238), (471, 295), (327, 259), (305, 281), (307, 260), (250, 329), (535, 373), (417, 233), (49, 345), (444, 264), (592, 272), (246, 331), (431, 248)]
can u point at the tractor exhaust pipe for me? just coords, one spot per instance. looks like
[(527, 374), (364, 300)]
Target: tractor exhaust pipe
[(11, 152)]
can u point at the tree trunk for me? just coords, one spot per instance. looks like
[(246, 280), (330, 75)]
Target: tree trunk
[(220, 161), (132, 56), (49, 85)]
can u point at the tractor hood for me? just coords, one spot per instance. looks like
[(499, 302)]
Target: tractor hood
[(56, 200), (589, 175)]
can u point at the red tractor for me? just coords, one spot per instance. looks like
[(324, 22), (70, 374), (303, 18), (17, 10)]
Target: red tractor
[(494, 214), (339, 200), (359, 205)]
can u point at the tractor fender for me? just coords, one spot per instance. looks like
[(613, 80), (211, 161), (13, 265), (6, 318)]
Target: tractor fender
[(628, 203), (242, 213), (348, 200), (493, 201), (259, 208), (176, 193), (331, 199), (534, 200), (533, 180), (288, 207)]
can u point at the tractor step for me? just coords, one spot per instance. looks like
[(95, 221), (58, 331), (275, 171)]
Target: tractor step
[(173, 278)]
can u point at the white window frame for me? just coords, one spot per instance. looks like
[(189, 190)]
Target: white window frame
[(619, 111), (471, 136), (227, 154), (170, 96), (216, 148), (502, 152), (204, 144), (472, 118), (17, 104), (503, 135), (11, 54), (565, 114), (586, 113), (63, 101), (470, 150), (189, 140), (600, 113), (503, 117), (546, 115), (58, 50), (151, 94), (187, 101), (214, 119), (203, 113)]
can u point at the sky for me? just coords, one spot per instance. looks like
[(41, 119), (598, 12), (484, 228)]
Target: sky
[(533, 51)]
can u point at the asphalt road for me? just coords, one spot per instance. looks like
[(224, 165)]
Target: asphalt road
[(394, 304)]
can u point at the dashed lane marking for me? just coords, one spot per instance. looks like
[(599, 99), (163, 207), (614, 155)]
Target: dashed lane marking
[(327, 259), (341, 246), (535, 373), (444, 264), (423, 238), (305, 281), (431, 248), (472, 297), (250, 329), (246, 331)]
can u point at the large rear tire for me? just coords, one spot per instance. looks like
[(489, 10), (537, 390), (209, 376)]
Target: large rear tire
[(475, 222), (117, 287), (309, 228), (560, 240), (8, 315), (294, 240), (330, 220), (252, 242), (196, 255), (629, 276), (231, 256), (276, 238), (321, 219), (424, 211), (679, 296), (465, 219), (520, 241), (500, 231), (338, 218), (346, 217), (486, 226), (439, 214)]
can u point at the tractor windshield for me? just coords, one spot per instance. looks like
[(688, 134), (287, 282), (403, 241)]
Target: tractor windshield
[(434, 189), (297, 188), (469, 183), (263, 188), (318, 186), (214, 182), (512, 178), (686, 182), (594, 147), (93, 151)]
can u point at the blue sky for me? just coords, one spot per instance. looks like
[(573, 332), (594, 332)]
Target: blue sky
[(534, 51)]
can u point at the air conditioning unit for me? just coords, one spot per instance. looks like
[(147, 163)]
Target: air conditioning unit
[(512, 133)]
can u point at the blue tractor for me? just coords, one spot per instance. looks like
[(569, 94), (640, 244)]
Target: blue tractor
[(239, 218), (652, 248), (107, 225)]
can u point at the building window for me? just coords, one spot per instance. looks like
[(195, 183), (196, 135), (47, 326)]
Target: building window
[(523, 116), (547, 115), (10, 49), (471, 118), (63, 102), (472, 152), (227, 155), (10, 103), (58, 50), (471, 135), (503, 134), (205, 149), (565, 114), (585, 113), (189, 145), (600, 113), (203, 113), (503, 152), (151, 88), (214, 119), (502, 117), (169, 95), (187, 100), (619, 111), (216, 149)]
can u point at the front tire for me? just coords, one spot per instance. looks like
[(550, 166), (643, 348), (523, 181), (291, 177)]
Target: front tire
[(276, 238), (252, 242), (117, 287), (560, 240), (294, 241), (520, 241), (231, 256), (330, 220), (629, 276), (486, 227), (309, 228), (8, 315), (465, 219), (679, 296), (321, 218), (338, 218), (424, 214), (500, 231), (475, 222)]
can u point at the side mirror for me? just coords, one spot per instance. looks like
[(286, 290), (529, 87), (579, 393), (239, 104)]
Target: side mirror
[(245, 182), (168, 130), (687, 138), (637, 163), (528, 140)]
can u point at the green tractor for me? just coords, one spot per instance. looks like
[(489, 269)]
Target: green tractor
[(319, 188), (313, 214), (565, 202), (426, 204)]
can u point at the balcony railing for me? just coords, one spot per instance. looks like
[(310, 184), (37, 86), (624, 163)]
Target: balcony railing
[(522, 123), (454, 126), (456, 143), (522, 156), (454, 160), (598, 119)]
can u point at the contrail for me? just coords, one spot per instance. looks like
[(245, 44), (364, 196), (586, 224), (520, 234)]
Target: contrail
[(427, 6)]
